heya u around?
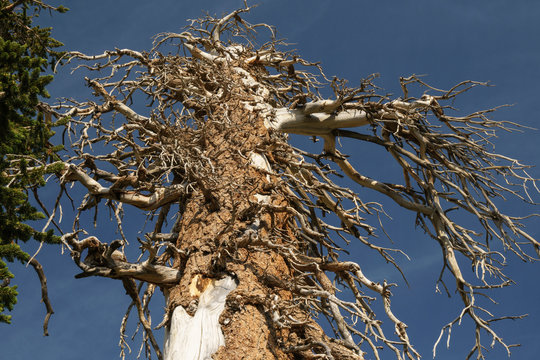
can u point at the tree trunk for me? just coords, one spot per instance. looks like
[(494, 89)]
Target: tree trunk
[(225, 214), (220, 216)]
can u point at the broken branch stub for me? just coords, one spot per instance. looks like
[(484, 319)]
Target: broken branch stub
[(212, 147)]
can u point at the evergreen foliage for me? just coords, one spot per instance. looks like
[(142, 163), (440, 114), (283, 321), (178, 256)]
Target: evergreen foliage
[(26, 52)]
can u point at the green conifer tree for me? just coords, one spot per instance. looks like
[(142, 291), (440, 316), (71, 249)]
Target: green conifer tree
[(26, 53)]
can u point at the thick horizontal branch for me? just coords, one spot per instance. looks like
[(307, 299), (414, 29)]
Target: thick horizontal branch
[(105, 260), (155, 274), (305, 122), (160, 197)]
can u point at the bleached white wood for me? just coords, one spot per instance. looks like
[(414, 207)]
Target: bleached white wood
[(198, 337), (260, 161), (296, 121)]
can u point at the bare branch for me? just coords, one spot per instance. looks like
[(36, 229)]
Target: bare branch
[(44, 294)]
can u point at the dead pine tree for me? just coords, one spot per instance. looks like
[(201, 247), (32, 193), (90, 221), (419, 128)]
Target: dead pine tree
[(248, 231)]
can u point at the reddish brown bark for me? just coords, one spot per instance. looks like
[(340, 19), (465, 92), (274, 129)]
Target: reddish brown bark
[(215, 218)]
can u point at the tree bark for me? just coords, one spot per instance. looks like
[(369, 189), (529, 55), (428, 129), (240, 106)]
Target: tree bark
[(220, 217)]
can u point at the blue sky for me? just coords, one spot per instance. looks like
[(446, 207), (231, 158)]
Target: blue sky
[(449, 41)]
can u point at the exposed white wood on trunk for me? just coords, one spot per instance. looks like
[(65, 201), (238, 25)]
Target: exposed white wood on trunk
[(198, 337)]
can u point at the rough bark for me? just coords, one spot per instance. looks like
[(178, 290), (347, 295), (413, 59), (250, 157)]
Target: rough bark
[(215, 220)]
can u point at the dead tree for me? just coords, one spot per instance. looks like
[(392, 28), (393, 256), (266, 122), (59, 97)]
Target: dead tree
[(252, 257)]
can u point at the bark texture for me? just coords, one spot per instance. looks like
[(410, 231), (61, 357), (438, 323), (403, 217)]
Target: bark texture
[(215, 230)]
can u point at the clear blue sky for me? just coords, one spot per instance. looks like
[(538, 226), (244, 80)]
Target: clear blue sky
[(449, 41)]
